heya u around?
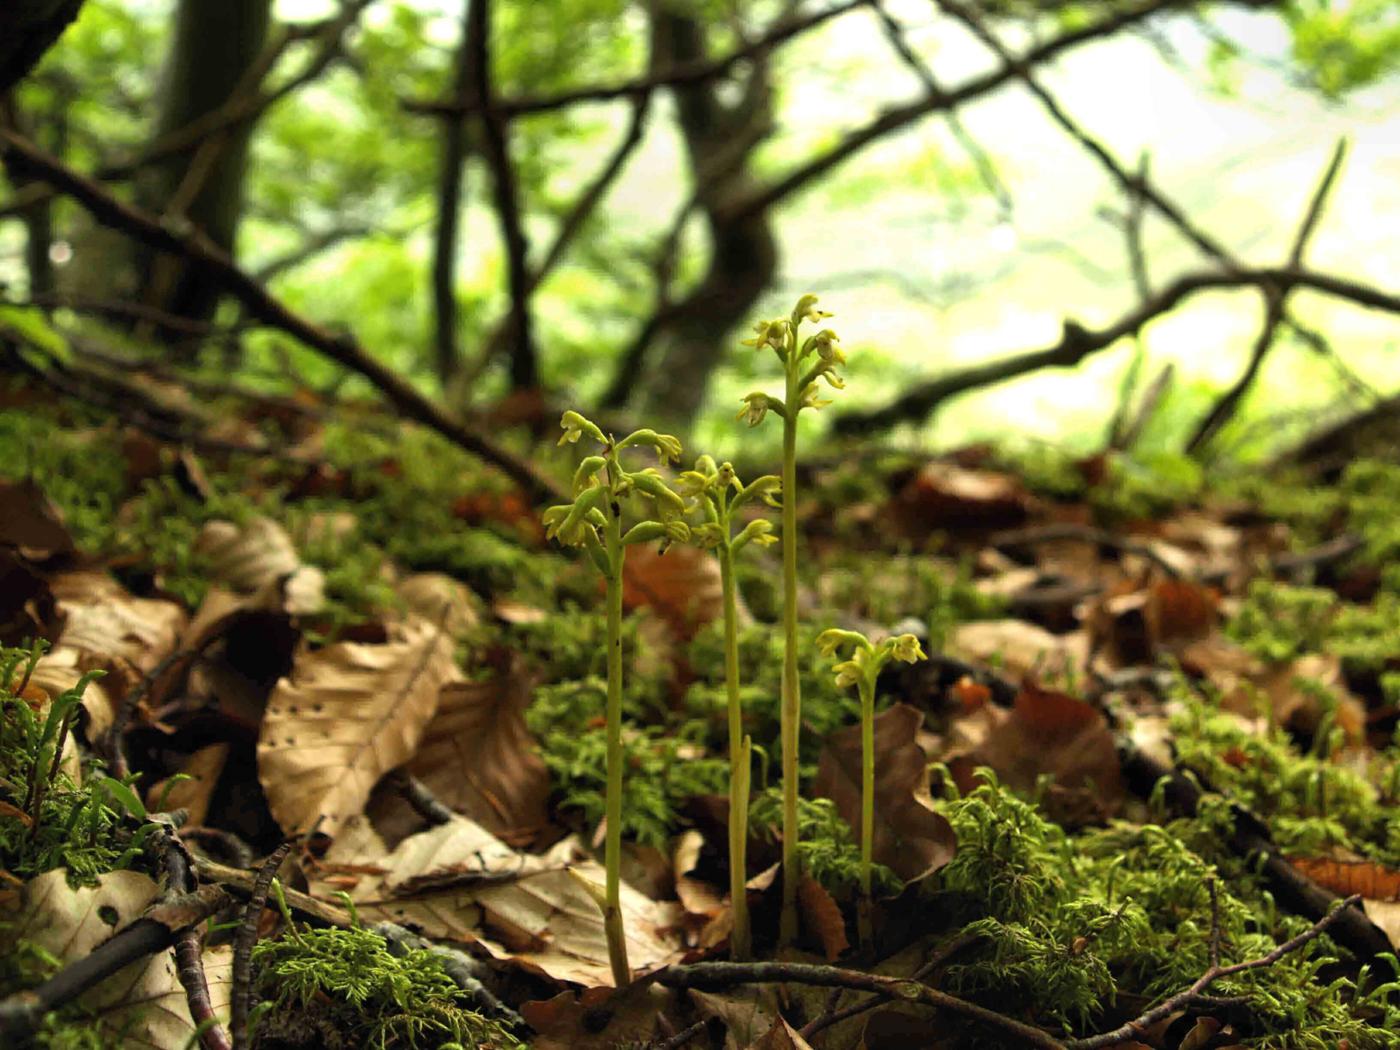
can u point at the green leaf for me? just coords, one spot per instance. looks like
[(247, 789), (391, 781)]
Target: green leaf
[(41, 345)]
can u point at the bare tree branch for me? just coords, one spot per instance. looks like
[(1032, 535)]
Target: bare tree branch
[(342, 348), (676, 76), (1079, 342)]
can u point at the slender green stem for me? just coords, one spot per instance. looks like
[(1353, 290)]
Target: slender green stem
[(867, 806), (612, 851), (791, 688), (740, 940)]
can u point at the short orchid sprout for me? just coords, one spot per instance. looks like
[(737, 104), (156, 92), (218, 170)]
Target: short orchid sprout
[(862, 670), (800, 391), (718, 494), (593, 521)]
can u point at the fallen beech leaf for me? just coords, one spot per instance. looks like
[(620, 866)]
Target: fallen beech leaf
[(436, 597), (822, 915), (1180, 611), (250, 556), (1386, 915), (909, 837), (347, 715), (1048, 732), (144, 1004), (681, 586), (1021, 649), (946, 496), (747, 1013), (30, 522), (454, 852), (59, 670), (478, 758), (1344, 877), (112, 630)]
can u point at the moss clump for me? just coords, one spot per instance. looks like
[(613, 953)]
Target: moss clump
[(826, 846), (665, 769), (347, 982), (49, 820), (1068, 925), (1279, 621)]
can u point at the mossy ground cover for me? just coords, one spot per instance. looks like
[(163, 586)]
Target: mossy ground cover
[(1067, 925)]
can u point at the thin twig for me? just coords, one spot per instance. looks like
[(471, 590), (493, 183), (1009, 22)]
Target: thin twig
[(189, 965), (244, 941), (1135, 1028), (342, 348), (900, 989)]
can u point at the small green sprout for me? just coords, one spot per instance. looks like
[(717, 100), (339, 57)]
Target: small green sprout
[(719, 494), (861, 671), (805, 362), (593, 521)]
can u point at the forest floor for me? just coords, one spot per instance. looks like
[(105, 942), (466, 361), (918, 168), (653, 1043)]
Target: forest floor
[(1155, 745)]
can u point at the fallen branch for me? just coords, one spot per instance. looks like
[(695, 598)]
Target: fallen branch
[(342, 348), (1195, 995), (244, 941), (1078, 342), (714, 975)]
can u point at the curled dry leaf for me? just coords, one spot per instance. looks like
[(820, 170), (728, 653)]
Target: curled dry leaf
[(947, 496), (348, 714), (30, 522), (909, 837), (1374, 881), (822, 915), (457, 885), (247, 557), (142, 1005), (782, 1036), (478, 758), (681, 586), (1045, 732), (436, 596)]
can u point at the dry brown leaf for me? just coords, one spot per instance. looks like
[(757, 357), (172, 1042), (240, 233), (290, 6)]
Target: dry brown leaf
[(1048, 732), (1386, 915), (144, 1004), (456, 851), (478, 758), (571, 1020), (822, 916), (542, 920), (681, 586), (746, 1013), (59, 670), (1019, 648), (946, 496), (249, 556), (30, 522), (1344, 877), (112, 628), (27, 606), (203, 767), (348, 714), (437, 597), (909, 837)]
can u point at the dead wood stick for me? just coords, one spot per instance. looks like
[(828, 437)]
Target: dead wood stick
[(246, 939), (195, 246), (900, 989)]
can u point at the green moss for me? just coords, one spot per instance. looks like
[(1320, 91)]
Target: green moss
[(50, 821), (372, 997), (826, 846)]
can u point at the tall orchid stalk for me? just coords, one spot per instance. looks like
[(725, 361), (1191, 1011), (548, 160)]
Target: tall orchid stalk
[(862, 670), (804, 361), (720, 494), (594, 522)]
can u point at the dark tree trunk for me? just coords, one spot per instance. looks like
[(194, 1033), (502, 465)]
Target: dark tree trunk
[(28, 28), (690, 339), (214, 47)]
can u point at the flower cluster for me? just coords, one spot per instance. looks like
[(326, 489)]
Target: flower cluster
[(781, 335), (866, 659), (719, 493)]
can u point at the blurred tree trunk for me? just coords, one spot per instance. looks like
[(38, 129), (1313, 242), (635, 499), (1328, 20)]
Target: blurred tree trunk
[(214, 47), (689, 339), (28, 28)]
